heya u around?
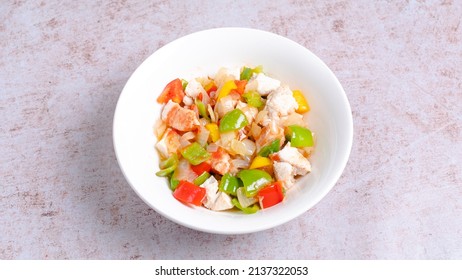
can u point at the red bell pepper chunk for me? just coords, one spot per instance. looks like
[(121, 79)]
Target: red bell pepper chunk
[(172, 91), (201, 168), (240, 84), (270, 195), (189, 193)]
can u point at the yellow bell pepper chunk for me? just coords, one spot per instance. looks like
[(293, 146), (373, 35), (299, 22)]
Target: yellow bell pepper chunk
[(214, 132), (226, 89), (303, 106), (260, 161)]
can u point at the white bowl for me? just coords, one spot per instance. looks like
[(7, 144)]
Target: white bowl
[(203, 53)]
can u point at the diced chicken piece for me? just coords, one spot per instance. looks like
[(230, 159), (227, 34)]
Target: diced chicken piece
[(280, 102), (223, 202), (270, 133), (215, 200), (291, 155), (221, 161), (226, 104), (211, 189), (194, 88), (285, 173), (178, 117), (262, 84), (249, 111), (288, 163), (226, 74), (169, 143)]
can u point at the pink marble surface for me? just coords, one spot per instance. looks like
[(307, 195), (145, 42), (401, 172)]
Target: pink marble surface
[(64, 63)]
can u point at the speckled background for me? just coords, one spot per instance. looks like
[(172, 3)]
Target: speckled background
[(64, 63)]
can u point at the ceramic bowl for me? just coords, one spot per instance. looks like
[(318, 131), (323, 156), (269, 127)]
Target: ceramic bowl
[(201, 54)]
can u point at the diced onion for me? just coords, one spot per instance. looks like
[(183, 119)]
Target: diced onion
[(188, 101), (202, 135), (160, 128), (261, 116), (203, 121), (255, 130), (292, 119), (237, 147), (245, 147), (240, 163), (211, 148), (249, 111), (184, 143), (274, 127), (250, 147), (224, 74), (185, 139), (242, 134), (243, 199), (212, 114), (188, 135), (226, 138), (205, 98), (203, 80), (225, 105), (306, 151)]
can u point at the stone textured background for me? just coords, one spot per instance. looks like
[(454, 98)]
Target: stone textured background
[(64, 63)]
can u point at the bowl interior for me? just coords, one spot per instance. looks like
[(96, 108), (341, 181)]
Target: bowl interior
[(201, 54)]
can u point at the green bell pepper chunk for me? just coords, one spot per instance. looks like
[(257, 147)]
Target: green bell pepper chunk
[(229, 184), (167, 166), (174, 182), (201, 179), (254, 180), (202, 110), (272, 147), (165, 172), (300, 136), (173, 177), (169, 162), (247, 210), (233, 120), (246, 73), (195, 153), (253, 98)]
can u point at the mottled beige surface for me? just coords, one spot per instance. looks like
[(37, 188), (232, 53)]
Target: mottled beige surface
[(64, 63)]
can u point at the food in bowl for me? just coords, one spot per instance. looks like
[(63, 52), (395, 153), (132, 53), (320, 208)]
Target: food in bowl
[(201, 54), (237, 140)]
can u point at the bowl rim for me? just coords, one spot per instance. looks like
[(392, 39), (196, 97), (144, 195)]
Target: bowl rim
[(343, 158)]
